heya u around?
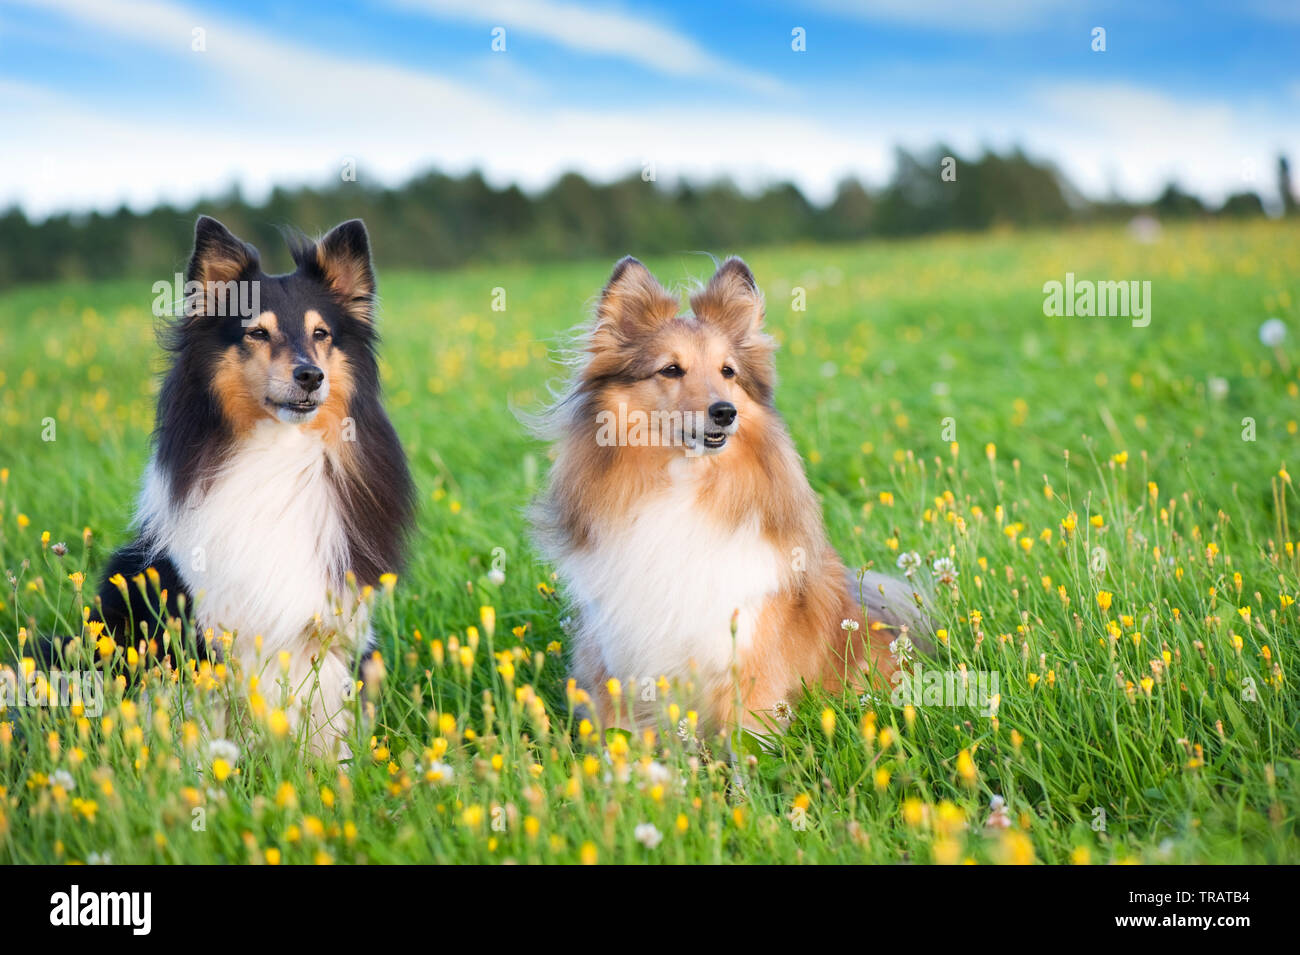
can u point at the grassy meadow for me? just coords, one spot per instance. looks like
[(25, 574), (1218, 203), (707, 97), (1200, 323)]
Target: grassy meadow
[(1121, 536)]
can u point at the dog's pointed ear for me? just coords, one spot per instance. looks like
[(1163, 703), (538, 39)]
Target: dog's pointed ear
[(731, 300), (735, 274), (633, 303), (218, 255), (343, 262)]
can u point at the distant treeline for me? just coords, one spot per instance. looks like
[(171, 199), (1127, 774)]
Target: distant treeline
[(438, 221)]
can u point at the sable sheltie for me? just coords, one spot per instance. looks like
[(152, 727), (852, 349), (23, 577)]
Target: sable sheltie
[(277, 488), (678, 513)]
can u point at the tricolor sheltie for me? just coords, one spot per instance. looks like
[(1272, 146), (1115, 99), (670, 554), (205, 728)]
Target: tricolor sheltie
[(678, 513), (277, 488)]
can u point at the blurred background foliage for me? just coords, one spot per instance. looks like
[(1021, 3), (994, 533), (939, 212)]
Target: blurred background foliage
[(436, 221)]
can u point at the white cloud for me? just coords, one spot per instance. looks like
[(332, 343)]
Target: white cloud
[(258, 62), (604, 31), (283, 113), (272, 111), (72, 155), (1136, 139)]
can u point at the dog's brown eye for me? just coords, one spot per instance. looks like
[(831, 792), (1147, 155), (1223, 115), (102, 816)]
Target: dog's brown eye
[(672, 371), (321, 334), (728, 371), (259, 334)]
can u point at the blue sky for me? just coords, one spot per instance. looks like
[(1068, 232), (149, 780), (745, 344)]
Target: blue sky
[(107, 101)]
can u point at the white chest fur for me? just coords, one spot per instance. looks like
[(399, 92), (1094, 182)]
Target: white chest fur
[(262, 547), (658, 591)]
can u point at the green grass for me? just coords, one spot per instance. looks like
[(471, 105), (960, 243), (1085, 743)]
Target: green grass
[(896, 338)]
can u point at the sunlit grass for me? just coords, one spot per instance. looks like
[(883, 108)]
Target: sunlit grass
[(1125, 564)]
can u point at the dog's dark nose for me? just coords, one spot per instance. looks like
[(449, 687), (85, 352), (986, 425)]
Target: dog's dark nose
[(308, 377), (722, 413)]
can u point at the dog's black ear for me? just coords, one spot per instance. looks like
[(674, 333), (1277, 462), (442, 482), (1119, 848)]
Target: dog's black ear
[(218, 255), (633, 302), (342, 260), (731, 300), (735, 272), (219, 262)]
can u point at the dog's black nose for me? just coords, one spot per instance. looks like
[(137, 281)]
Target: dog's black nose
[(722, 413), (308, 377)]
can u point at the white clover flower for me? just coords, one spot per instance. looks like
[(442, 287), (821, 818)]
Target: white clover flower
[(439, 773), (223, 749), (658, 774), (901, 649), (497, 576), (63, 779), (998, 817), (849, 624), (1218, 388), (99, 858), (945, 571), (648, 834), (909, 562), (1273, 332), (783, 711), (1144, 229)]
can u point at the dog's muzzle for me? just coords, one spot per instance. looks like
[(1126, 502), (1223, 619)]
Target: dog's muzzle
[(299, 402), (714, 428)]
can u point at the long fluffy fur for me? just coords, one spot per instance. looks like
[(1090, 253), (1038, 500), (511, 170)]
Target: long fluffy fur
[(656, 549), (269, 528)]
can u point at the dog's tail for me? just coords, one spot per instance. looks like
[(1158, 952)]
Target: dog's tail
[(895, 604)]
